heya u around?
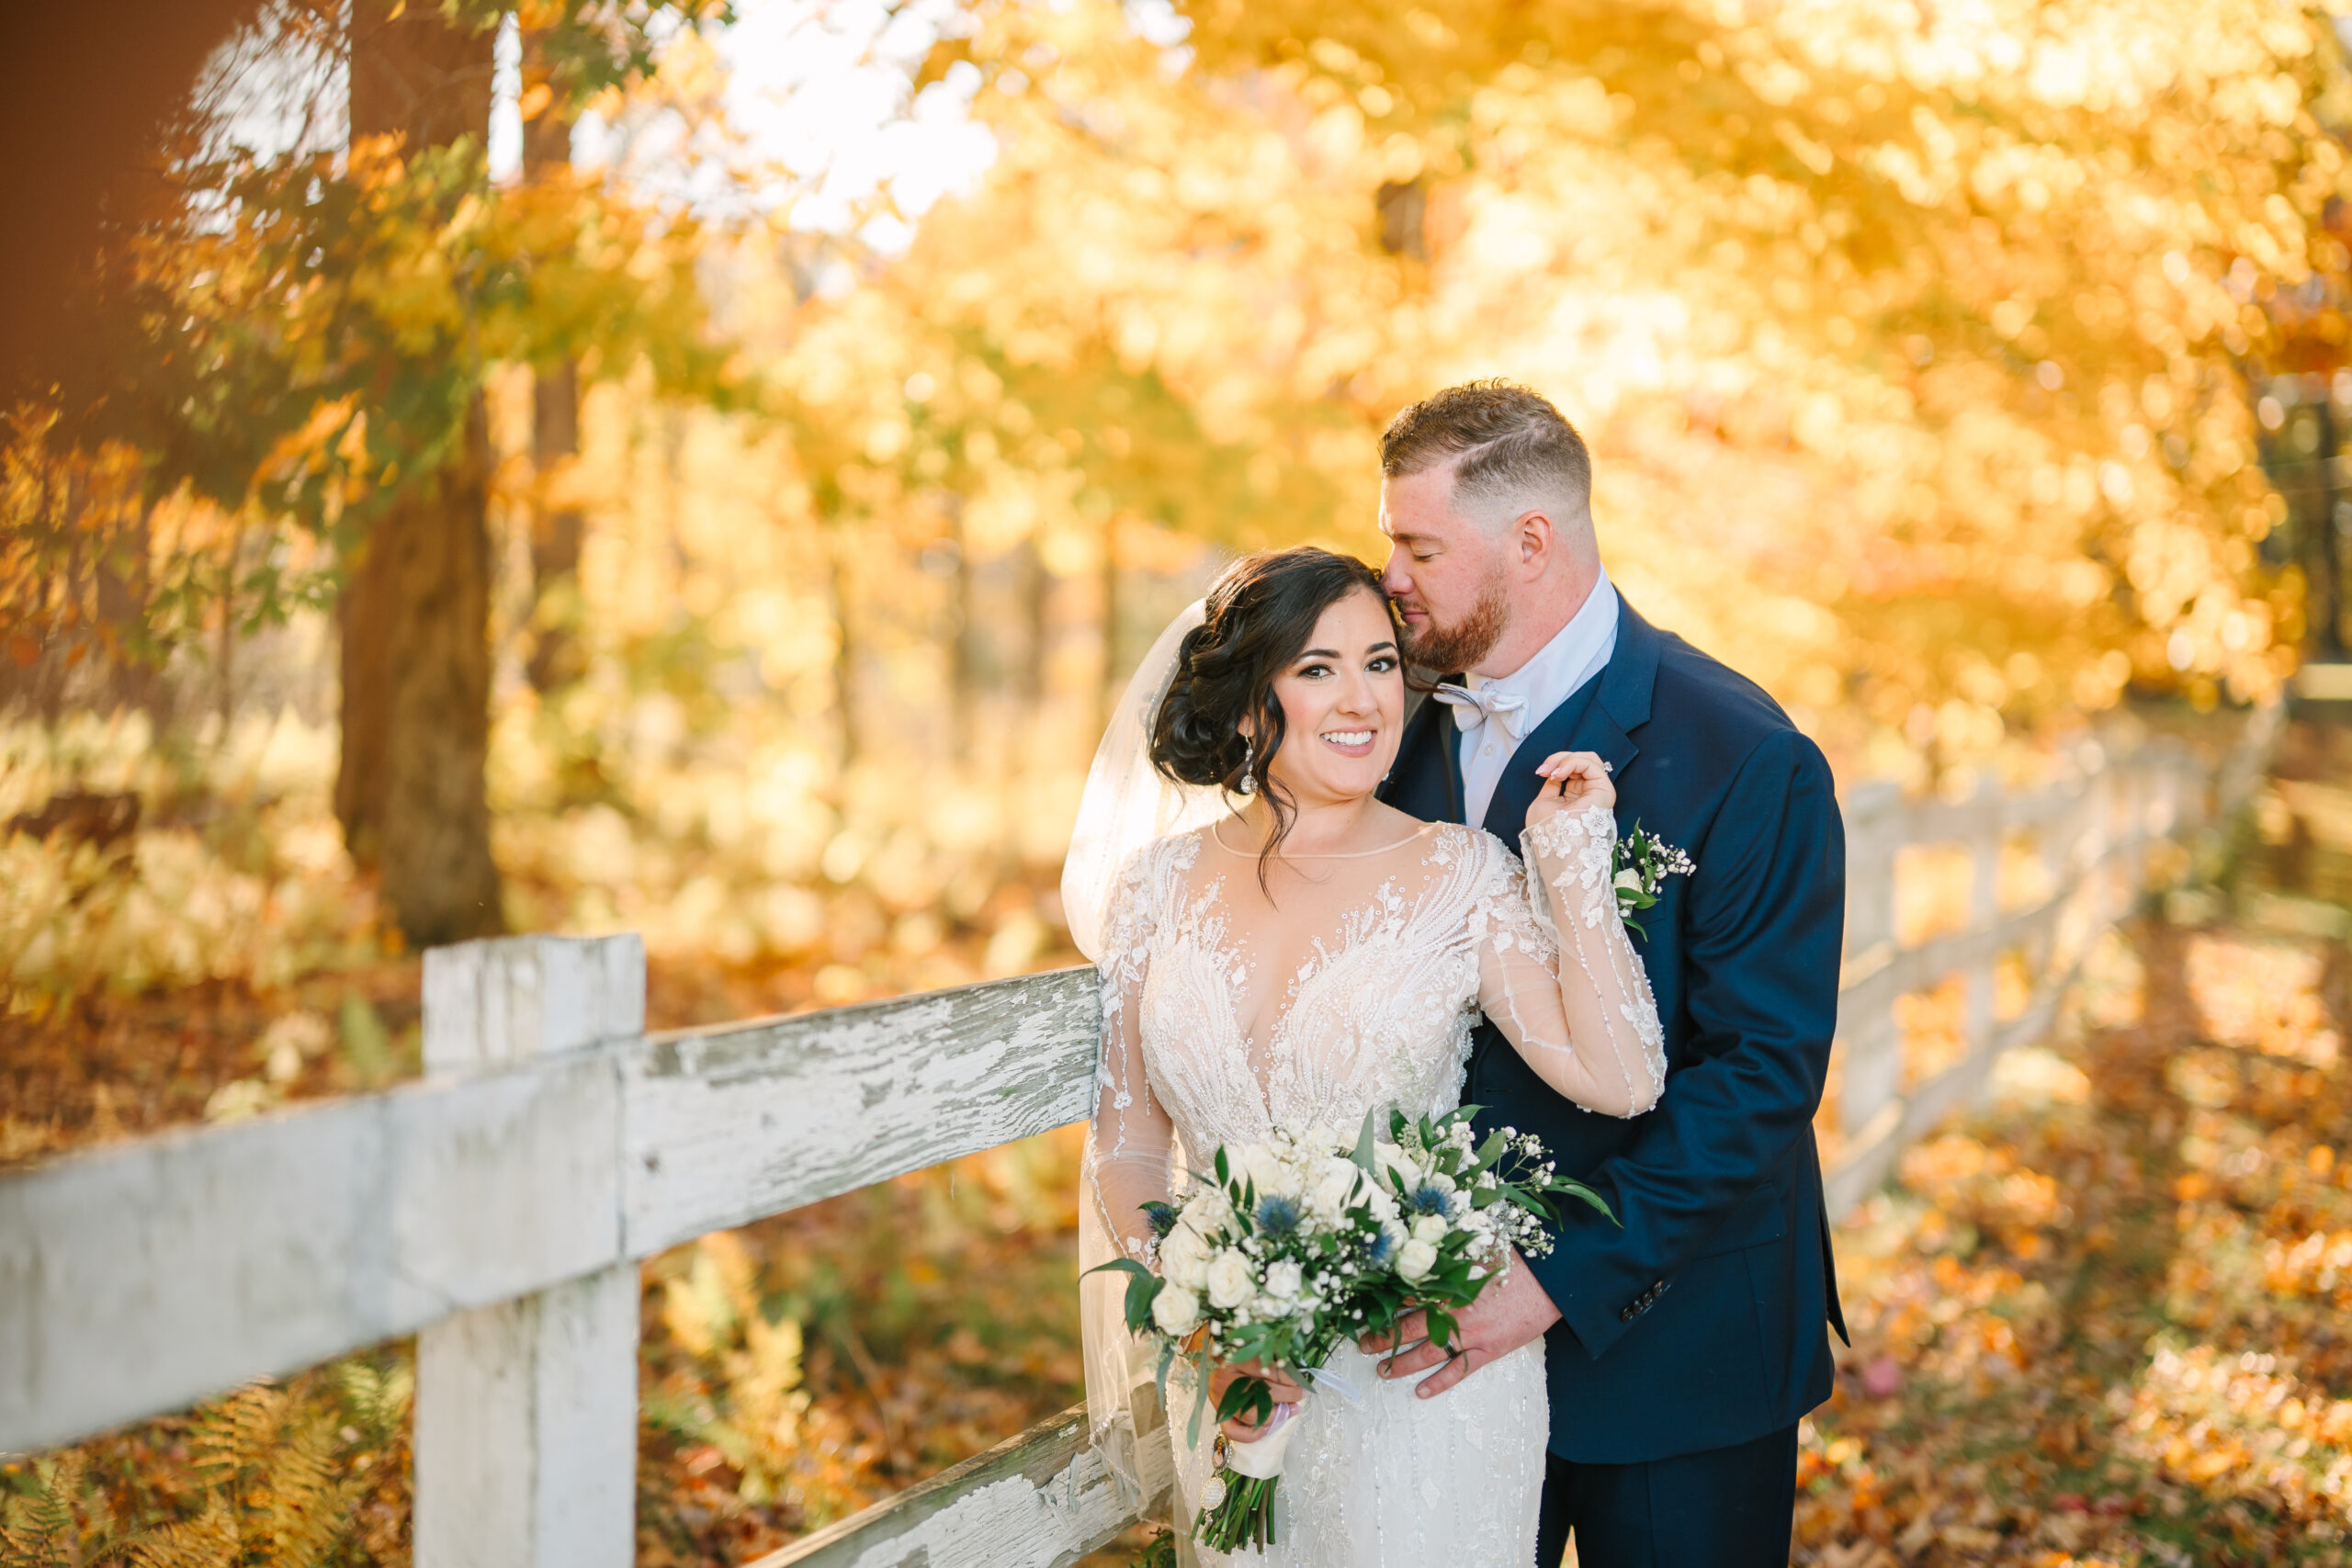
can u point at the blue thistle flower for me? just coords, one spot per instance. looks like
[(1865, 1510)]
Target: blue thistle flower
[(1428, 1198), (1383, 1248), (1277, 1216)]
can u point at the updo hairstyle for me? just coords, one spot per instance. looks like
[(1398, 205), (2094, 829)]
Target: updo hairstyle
[(1260, 611)]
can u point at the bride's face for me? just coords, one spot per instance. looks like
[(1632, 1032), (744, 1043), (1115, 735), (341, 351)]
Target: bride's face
[(1343, 705)]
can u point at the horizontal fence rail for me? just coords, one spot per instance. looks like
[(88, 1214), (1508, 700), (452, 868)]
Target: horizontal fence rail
[(497, 1209)]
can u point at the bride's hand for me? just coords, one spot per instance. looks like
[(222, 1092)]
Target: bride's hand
[(1573, 781), (1285, 1392)]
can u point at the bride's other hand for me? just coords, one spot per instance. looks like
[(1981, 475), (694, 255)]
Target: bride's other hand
[(1285, 1392), (1573, 781)]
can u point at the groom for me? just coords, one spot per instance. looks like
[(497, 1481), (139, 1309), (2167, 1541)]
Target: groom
[(1683, 1346)]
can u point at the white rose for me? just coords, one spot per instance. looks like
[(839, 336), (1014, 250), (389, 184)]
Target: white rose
[(1206, 1212), (1387, 1158), (1284, 1279), (1415, 1259), (1228, 1279), (1176, 1310), (1383, 1203), (1630, 880), (1430, 1228), (1184, 1258), (1319, 1139), (1335, 1183), (1275, 1177)]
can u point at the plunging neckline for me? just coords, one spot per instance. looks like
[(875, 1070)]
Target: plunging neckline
[(1359, 922)]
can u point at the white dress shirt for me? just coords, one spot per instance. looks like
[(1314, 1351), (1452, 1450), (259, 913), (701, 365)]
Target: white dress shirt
[(1578, 652)]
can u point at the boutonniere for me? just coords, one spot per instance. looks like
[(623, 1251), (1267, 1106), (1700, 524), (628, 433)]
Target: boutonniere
[(1640, 865)]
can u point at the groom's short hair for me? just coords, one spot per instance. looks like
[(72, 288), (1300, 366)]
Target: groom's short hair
[(1506, 443)]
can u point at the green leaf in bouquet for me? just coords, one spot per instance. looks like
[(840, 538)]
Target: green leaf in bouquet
[(1367, 1145), (1224, 1173), (1488, 1151), (1142, 1289), (1247, 1395), (1568, 1187), (1440, 1326)]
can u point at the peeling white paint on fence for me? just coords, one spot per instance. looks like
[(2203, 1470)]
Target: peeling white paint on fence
[(1041, 1500), (138, 1279), (724, 1126)]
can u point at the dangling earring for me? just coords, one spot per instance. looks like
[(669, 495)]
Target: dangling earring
[(1248, 784)]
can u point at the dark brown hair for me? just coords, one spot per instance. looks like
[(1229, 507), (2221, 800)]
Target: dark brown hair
[(1503, 439), (1262, 611)]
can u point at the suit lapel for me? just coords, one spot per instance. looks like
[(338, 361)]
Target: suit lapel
[(1426, 781), (1600, 717)]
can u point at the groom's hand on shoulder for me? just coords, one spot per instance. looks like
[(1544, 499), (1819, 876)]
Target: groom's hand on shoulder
[(1513, 1311)]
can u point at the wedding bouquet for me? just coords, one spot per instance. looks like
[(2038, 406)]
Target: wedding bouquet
[(1301, 1242)]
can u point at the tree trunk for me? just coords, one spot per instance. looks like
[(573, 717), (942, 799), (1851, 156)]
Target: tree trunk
[(415, 612), (1037, 601), (1106, 688), (556, 658), (844, 646), (416, 671), (963, 640)]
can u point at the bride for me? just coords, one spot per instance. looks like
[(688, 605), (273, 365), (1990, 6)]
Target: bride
[(1278, 947)]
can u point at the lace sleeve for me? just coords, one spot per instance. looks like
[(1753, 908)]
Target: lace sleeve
[(1127, 1151), (1570, 994), (1127, 1161)]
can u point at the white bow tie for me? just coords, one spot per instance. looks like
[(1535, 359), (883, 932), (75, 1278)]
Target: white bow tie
[(1473, 708)]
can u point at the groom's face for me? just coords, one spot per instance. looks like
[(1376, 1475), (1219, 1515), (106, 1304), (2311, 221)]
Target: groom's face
[(1448, 574)]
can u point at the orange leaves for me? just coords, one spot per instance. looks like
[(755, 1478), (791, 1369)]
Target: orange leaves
[(2112, 1319)]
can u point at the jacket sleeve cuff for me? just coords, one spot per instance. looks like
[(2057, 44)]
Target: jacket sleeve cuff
[(1591, 1300)]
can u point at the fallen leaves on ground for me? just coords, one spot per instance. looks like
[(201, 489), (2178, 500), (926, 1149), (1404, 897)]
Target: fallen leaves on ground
[(2104, 1323)]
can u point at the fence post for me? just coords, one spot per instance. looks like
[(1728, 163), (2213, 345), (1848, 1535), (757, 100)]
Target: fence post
[(1871, 1073), (1984, 847), (525, 1441)]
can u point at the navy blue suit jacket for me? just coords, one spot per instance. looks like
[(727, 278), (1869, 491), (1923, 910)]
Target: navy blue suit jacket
[(1699, 1323)]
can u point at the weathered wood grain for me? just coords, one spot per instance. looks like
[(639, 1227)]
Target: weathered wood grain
[(722, 1126), (138, 1279), (1041, 1500)]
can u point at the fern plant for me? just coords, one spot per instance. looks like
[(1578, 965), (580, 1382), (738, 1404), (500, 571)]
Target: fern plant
[(279, 1474), (275, 1495), (57, 1519)]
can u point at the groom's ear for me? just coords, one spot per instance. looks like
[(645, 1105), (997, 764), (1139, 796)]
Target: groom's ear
[(1537, 538)]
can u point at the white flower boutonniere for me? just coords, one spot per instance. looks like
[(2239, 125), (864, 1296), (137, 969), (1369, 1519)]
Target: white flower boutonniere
[(1643, 862)]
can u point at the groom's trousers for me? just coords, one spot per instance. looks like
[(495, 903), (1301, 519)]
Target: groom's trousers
[(1723, 1508)]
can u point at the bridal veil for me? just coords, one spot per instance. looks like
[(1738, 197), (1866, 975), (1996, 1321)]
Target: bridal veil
[(1127, 805)]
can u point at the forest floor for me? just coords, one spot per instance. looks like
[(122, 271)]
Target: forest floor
[(2101, 1321)]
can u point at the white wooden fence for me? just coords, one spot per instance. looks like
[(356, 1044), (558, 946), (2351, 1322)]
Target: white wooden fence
[(498, 1209)]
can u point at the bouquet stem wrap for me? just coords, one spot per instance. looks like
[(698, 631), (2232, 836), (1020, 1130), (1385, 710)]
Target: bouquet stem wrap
[(1261, 1458)]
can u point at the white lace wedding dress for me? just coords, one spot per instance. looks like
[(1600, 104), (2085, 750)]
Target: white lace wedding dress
[(1356, 989)]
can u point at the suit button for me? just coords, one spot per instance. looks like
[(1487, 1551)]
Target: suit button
[(1626, 1314)]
